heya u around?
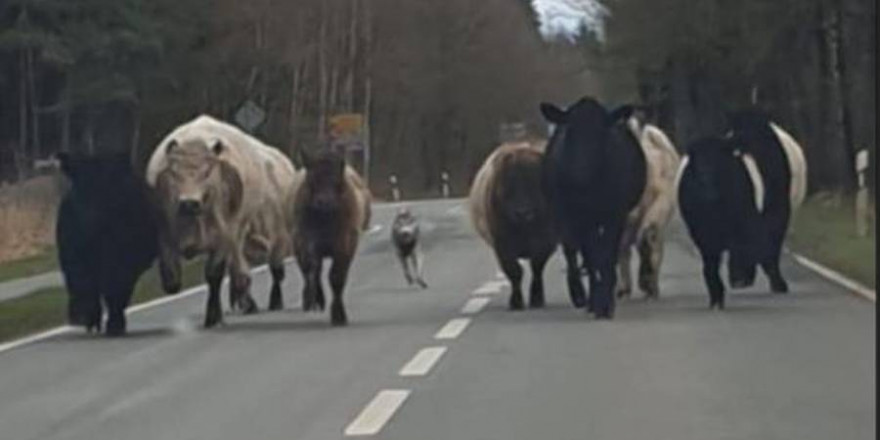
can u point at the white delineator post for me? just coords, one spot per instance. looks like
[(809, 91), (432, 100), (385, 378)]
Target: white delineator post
[(444, 182), (395, 190), (862, 194)]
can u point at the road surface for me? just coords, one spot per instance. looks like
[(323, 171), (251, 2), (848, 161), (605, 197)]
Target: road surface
[(798, 366)]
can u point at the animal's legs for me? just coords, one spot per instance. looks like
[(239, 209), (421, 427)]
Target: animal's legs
[(338, 277), (650, 258), (711, 263), (417, 264), (215, 267), (276, 301), (536, 290), (573, 276), (513, 271)]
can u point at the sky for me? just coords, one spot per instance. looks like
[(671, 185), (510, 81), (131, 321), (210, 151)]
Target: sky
[(565, 18)]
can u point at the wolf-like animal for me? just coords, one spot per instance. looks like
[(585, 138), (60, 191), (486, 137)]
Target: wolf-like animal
[(405, 236)]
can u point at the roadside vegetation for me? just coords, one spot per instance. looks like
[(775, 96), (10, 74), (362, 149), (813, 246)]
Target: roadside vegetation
[(47, 308), (824, 230)]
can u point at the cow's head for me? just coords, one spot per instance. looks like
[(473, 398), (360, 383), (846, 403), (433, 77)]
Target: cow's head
[(97, 181), (518, 188), (325, 180), (196, 177), (580, 134)]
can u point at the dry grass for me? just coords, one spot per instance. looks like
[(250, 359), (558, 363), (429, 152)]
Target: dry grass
[(27, 217)]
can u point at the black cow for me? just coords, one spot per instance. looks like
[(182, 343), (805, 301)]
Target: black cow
[(593, 174), (736, 194), (106, 236), (719, 203)]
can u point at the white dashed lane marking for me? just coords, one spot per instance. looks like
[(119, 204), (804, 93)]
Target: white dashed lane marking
[(377, 413), (423, 361), (474, 305), (453, 329)]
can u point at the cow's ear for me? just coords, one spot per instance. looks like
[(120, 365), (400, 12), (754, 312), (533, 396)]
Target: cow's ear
[(171, 146), (218, 147), (66, 163), (621, 113), (553, 114)]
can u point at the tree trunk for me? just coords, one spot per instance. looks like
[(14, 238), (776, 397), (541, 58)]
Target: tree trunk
[(21, 151), (322, 74), (835, 117), (65, 127), (35, 117)]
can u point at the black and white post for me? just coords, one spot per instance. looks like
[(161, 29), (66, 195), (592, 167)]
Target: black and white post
[(444, 182), (862, 194), (395, 189)]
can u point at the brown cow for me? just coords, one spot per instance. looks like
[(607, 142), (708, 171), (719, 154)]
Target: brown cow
[(511, 214), (223, 193), (331, 208)]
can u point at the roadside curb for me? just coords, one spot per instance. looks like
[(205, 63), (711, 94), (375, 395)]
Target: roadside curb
[(836, 277)]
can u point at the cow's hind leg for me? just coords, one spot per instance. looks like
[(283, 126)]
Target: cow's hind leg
[(117, 294), (215, 267), (770, 266), (573, 276), (624, 285), (536, 290), (514, 272), (338, 277), (276, 301), (650, 258), (711, 265)]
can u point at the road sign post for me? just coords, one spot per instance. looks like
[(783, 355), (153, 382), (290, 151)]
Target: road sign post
[(395, 190), (349, 132), (444, 183), (861, 194)]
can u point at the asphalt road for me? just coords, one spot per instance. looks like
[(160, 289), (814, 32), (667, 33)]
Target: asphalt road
[(798, 366)]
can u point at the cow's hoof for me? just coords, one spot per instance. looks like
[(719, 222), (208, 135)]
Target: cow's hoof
[(115, 328), (248, 306), (114, 332), (515, 302), (213, 319), (338, 318), (779, 287), (624, 293), (536, 303), (578, 302), (605, 315), (423, 284), (716, 306)]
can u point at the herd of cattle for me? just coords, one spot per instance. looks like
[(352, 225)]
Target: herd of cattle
[(606, 182), (603, 183)]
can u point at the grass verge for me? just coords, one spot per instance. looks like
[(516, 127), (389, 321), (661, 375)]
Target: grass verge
[(47, 308), (823, 229), (45, 261)]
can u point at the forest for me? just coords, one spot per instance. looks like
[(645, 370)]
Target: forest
[(435, 80)]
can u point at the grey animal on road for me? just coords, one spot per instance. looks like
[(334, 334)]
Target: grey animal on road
[(405, 236)]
